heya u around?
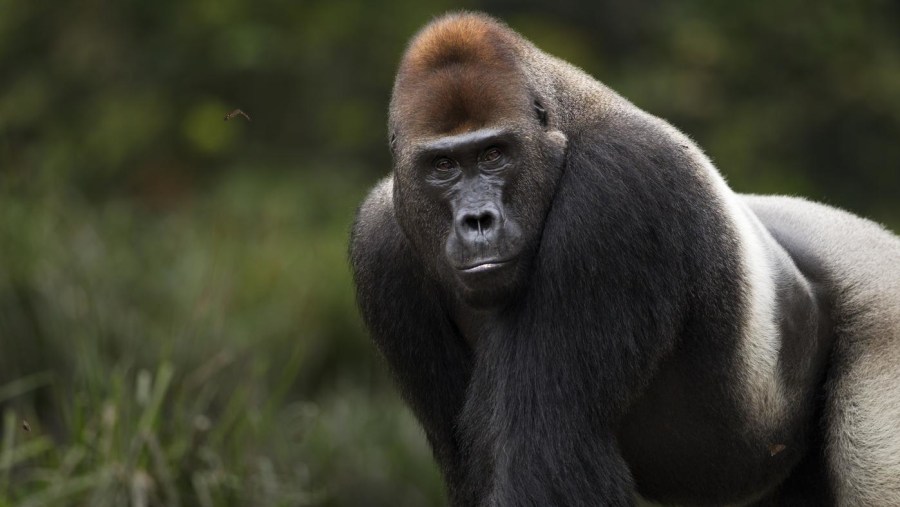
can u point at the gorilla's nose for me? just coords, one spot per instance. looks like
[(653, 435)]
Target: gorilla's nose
[(479, 224)]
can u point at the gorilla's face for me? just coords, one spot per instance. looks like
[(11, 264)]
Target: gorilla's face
[(474, 204)]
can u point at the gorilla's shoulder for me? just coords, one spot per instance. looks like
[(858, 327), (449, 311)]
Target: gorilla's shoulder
[(377, 210), (376, 236), (385, 269), (375, 216)]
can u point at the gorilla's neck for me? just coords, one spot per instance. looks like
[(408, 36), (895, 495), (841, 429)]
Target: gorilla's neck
[(474, 324)]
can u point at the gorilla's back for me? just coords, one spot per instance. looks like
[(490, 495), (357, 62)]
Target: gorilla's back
[(858, 259)]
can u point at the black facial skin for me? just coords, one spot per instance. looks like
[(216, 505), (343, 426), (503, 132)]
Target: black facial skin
[(488, 191), (470, 172)]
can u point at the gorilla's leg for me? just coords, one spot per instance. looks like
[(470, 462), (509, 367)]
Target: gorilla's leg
[(862, 445)]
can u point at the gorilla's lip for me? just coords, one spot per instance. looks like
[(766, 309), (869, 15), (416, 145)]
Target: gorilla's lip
[(486, 265)]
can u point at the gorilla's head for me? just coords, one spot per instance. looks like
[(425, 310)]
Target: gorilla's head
[(476, 157)]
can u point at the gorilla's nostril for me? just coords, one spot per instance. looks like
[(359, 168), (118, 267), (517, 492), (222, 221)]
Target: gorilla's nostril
[(479, 223)]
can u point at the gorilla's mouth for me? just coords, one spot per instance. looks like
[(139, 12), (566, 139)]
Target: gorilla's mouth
[(485, 266), (487, 282)]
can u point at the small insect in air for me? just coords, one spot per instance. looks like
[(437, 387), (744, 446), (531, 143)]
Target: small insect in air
[(25, 425), (237, 112), (776, 448)]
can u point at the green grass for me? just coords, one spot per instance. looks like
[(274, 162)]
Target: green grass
[(205, 351)]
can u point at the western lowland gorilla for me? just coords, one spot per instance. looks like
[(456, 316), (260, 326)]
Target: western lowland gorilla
[(579, 310)]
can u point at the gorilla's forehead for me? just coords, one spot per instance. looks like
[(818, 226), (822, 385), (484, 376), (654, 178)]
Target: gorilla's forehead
[(459, 74)]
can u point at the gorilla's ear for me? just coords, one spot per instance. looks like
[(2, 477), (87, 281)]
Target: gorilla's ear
[(560, 140), (393, 143), (541, 113)]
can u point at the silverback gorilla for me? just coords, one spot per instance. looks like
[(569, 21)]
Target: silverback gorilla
[(579, 310)]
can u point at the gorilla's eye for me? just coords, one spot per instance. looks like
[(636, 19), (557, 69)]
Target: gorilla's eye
[(492, 154), (443, 164)]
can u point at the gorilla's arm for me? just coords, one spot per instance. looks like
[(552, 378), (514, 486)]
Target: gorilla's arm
[(607, 299), (402, 310)]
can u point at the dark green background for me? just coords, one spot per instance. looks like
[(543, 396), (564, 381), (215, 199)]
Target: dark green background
[(177, 322)]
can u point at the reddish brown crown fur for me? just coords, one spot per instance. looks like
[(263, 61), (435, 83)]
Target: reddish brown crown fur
[(459, 73)]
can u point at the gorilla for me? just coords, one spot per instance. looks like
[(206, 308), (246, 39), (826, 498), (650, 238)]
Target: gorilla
[(579, 311)]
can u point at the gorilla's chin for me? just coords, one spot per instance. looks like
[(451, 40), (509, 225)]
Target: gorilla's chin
[(489, 284)]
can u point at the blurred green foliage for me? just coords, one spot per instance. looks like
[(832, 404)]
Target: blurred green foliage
[(177, 323)]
